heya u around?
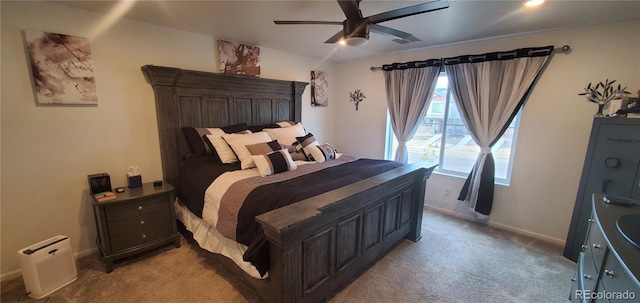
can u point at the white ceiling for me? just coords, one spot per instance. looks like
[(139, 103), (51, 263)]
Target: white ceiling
[(251, 22)]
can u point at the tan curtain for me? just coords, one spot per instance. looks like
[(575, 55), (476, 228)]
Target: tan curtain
[(408, 96), (489, 90)]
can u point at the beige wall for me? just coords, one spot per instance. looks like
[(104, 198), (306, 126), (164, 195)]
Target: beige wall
[(554, 129), (47, 152)]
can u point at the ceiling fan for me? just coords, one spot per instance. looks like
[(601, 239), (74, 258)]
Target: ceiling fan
[(355, 29)]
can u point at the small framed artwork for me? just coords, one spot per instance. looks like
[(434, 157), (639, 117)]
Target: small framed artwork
[(61, 68), (319, 89), (238, 59)]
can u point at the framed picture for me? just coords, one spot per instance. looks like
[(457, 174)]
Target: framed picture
[(61, 68), (238, 59), (319, 89)]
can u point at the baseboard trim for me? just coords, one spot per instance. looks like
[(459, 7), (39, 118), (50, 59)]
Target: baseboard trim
[(501, 226), (18, 272)]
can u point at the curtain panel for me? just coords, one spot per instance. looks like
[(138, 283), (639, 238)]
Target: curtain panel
[(489, 90), (409, 87)]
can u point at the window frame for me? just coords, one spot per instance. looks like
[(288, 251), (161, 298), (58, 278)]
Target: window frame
[(390, 138)]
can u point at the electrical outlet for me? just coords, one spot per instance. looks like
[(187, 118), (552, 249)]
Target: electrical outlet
[(447, 191)]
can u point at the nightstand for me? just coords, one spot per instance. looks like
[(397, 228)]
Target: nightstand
[(137, 220)]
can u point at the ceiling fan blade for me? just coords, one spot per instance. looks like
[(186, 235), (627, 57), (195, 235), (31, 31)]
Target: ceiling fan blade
[(351, 9), (387, 31), (308, 22), (409, 11), (335, 38)]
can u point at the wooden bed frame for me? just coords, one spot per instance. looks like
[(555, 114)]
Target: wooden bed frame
[(318, 245)]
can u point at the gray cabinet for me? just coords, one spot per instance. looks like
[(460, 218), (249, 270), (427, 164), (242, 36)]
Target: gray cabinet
[(608, 268), (611, 166)]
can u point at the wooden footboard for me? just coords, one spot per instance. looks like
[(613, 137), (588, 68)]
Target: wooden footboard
[(321, 244)]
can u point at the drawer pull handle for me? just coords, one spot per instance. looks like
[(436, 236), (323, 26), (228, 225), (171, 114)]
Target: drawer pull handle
[(588, 277), (609, 273), (591, 220), (574, 279), (144, 236), (584, 247), (596, 246), (139, 207), (141, 222)]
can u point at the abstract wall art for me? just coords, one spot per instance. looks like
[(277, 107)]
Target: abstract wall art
[(61, 68), (239, 59)]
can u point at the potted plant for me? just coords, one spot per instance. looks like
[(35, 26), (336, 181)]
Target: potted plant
[(602, 93)]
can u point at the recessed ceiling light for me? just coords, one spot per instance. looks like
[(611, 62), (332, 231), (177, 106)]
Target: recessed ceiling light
[(532, 3)]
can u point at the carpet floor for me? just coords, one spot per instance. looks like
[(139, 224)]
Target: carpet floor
[(456, 261)]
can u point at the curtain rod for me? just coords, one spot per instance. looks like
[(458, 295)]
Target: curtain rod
[(564, 49)]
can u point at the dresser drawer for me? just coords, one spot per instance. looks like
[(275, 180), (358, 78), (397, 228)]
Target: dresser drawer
[(137, 208), (588, 275), (139, 223), (597, 245), (141, 237), (617, 282)]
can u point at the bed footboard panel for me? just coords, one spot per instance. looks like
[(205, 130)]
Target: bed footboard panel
[(321, 244)]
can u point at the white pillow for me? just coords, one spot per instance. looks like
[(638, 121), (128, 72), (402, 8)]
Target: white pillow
[(238, 142), (286, 135), (274, 162), (222, 148)]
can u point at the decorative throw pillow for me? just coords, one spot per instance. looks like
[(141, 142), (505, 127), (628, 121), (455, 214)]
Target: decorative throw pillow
[(274, 162), (306, 142), (322, 152), (296, 152), (263, 148), (238, 144), (286, 135)]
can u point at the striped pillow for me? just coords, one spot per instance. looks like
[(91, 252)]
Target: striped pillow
[(322, 152), (306, 142), (274, 163), (263, 148)]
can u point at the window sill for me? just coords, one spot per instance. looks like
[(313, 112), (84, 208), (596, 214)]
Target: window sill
[(500, 182)]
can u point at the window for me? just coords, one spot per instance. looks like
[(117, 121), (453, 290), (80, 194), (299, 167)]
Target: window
[(442, 138)]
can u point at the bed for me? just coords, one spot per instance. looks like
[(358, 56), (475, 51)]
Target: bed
[(320, 243)]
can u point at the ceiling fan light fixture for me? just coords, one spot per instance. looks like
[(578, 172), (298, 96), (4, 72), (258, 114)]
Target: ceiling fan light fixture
[(356, 41)]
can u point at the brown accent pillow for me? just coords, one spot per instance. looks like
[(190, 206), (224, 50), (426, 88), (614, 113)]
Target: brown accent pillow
[(263, 148)]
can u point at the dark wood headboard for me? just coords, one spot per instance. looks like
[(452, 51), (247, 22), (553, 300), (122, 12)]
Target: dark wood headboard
[(204, 99)]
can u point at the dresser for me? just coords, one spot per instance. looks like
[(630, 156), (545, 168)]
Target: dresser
[(608, 266), (138, 220), (611, 166)]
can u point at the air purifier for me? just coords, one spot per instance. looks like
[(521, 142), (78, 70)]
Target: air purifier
[(47, 266)]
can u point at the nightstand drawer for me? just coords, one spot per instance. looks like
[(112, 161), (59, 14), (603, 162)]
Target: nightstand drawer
[(134, 239), (137, 208), (139, 223)]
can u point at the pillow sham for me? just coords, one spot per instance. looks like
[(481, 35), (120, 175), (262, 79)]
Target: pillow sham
[(286, 135), (195, 137), (220, 146), (274, 163), (238, 143)]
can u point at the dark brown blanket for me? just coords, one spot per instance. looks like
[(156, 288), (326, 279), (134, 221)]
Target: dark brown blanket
[(275, 195), (197, 173)]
